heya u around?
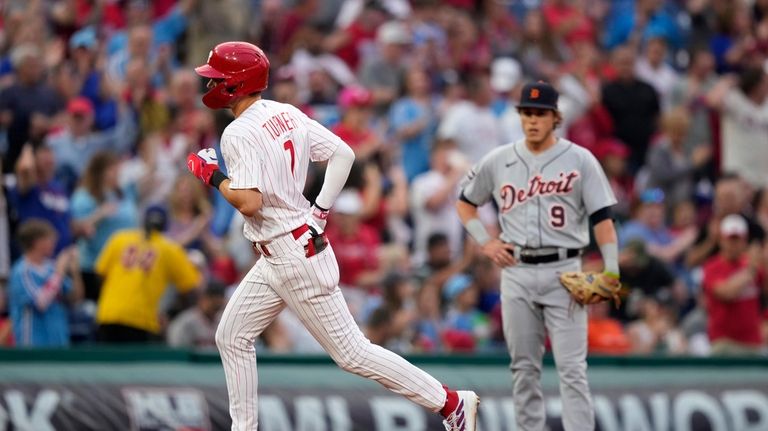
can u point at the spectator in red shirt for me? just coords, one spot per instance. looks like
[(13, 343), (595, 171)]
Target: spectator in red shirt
[(356, 246), (358, 38), (732, 283)]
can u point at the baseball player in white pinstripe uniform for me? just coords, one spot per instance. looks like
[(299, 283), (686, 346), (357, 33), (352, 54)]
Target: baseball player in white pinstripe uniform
[(267, 150)]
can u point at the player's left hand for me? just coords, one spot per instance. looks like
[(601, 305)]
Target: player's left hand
[(203, 164), (499, 252)]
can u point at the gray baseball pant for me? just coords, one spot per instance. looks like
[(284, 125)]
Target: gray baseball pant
[(535, 304)]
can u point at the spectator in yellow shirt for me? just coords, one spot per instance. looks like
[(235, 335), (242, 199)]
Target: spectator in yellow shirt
[(137, 266)]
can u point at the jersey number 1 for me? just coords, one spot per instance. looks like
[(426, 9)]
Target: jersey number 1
[(288, 146)]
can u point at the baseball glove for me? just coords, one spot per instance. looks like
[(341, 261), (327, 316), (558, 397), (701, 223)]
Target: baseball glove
[(591, 287)]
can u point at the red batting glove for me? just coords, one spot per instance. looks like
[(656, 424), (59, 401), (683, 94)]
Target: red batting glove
[(203, 164)]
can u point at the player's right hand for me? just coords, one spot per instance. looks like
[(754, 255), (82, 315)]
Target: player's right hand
[(203, 164), (501, 253)]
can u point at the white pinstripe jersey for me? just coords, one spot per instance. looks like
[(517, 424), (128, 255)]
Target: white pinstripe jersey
[(269, 147)]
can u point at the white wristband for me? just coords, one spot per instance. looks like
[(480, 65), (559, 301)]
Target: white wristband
[(610, 252), (477, 231)]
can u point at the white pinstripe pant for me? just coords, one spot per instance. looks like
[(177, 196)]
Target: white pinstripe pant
[(309, 287)]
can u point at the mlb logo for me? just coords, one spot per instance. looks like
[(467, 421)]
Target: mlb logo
[(165, 409)]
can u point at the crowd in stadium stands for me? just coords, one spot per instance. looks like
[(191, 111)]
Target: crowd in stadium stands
[(99, 107)]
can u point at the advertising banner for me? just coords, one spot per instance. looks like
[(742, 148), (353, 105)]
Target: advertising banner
[(122, 407)]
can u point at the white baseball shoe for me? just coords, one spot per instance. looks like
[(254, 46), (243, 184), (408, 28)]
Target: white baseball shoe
[(464, 418)]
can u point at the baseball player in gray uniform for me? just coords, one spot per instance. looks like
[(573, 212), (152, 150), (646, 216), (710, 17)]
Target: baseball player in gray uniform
[(548, 190)]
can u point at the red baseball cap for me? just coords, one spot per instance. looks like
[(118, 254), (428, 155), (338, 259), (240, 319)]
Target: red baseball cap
[(80, 105)]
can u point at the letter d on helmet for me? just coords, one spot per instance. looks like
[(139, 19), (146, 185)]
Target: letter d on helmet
[(243, 69)]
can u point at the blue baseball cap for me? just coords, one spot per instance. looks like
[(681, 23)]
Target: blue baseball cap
[(84, 38), (455, 285)]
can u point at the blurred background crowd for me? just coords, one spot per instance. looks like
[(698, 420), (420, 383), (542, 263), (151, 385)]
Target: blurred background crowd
[(99, 107)]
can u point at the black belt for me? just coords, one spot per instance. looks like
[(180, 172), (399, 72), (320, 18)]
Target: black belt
[(547, 258)]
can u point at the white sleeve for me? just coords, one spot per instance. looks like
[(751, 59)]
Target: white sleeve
[(336, 175), (245, 166)]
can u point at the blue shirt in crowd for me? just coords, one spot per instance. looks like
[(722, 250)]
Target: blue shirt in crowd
[(105, 110), (72, 153), (49, 202), (415, 150), (634, 230), (35, 325), (126, 216), (622, 21), (166, 31)]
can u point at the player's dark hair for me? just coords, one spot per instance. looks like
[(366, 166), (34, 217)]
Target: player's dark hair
[(558, 118), (33, 230)]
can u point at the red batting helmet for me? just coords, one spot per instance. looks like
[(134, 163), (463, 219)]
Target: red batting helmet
[(243, 68)]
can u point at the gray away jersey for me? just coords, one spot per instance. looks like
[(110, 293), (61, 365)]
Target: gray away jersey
[(544, 200)]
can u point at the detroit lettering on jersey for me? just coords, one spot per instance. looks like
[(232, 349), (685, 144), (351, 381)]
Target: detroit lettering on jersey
[(279, 124), (544, 199), (537, 186)]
